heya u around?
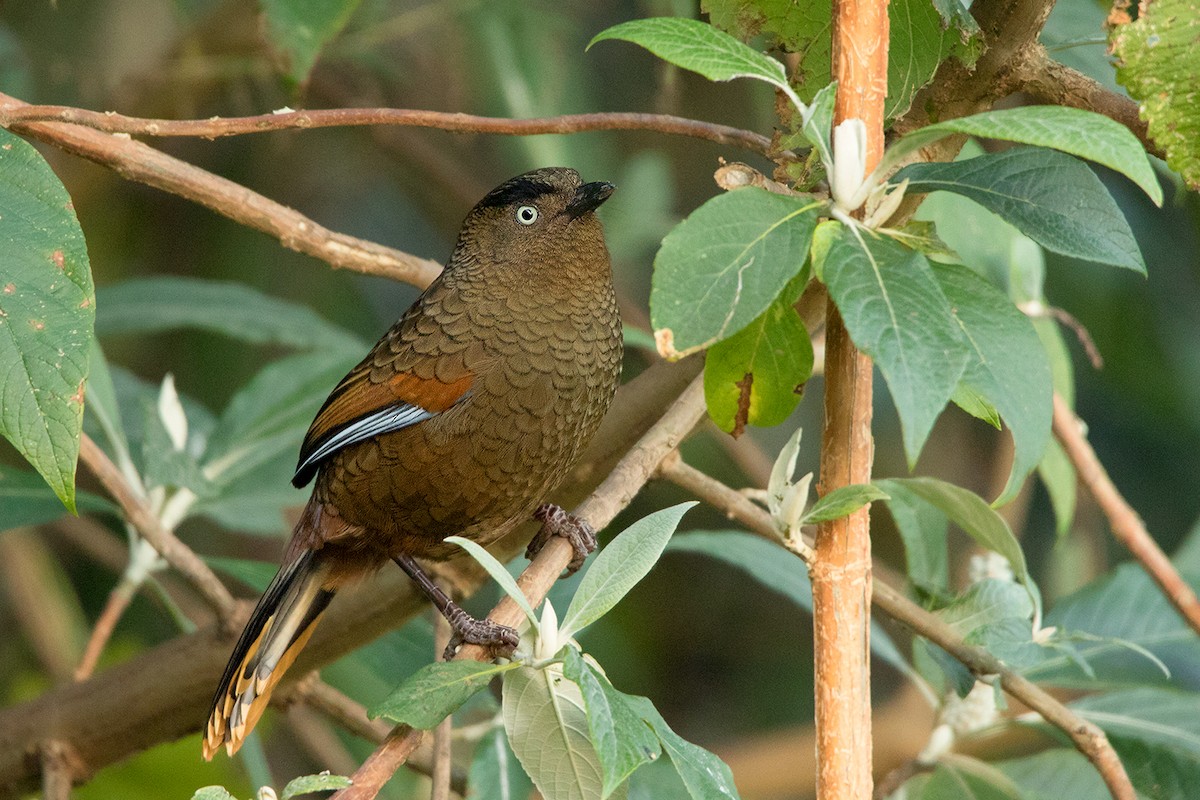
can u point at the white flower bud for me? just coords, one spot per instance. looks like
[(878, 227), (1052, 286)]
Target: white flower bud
[(849, 162), (170, 411), (547, 641)]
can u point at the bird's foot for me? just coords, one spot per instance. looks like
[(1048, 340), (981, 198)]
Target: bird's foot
[(557, 522), (499, 640)]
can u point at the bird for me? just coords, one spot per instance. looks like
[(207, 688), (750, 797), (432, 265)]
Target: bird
[(460, 421)]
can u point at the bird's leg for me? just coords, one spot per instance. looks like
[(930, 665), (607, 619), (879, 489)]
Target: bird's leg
[(501, 640), (557, 522)]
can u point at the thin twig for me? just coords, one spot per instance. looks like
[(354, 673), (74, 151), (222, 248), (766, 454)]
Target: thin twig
[(136, 161), (598, 510), (106, 623), (1088, 738), (112, 122), (1126, 525), (59, 770), (177, 554)]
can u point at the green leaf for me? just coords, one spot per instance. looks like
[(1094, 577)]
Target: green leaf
[(776, 569), (162, 464), (842, 501), (967, 510), (157, 305), (699, 47), (619, 566), (897, 314), (818, 125), (705, 776), (972, 401), (987, 602), (725, 264), (1158, 772), (1158, 717), (1053, 198), (1158, 64), (1122, 609), (1054, 775), (771, 358), (47, 311), (101, 403), (25, 499), (920, 41), (495, 773), (307, 784), (500, 575), (212, 793), (922, 529), (1008, 365), (436, 690), (961, 778), (1071, 130), (548, 729), (301, 28), (622, 740), (1058, 476)]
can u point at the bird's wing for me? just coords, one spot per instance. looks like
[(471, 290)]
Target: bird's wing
[(361, 406)]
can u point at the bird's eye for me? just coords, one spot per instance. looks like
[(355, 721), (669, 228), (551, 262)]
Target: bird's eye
[(527, 215)]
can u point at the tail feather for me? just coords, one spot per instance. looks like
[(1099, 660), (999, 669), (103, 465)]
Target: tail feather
[(280, 626)]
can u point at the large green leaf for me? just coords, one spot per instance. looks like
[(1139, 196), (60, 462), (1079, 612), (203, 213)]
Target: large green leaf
[(1071, 130), (1125, 606), (725, 264), (1158, 64), (623, 742), (962, 778), (167, 303), (1053, 198), (1157, 717), (301, 28), (756, 375), (547, 726), (922, 528), (1054, 775), (25, 499), (1008, 365), (896, 313), (619, 566), (919, 41), (699, 47), (436, 690), (47, 311), (705, 776), (969, 511), (307, 784)]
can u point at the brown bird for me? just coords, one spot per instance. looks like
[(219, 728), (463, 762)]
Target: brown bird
[(460, 421)]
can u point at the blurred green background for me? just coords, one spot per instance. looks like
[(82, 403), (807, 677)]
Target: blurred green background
[(727, 661)]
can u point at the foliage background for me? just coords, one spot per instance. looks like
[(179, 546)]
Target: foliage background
[(726, 661)]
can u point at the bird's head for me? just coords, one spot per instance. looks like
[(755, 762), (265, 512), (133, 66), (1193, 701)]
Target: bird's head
[(543, 218)]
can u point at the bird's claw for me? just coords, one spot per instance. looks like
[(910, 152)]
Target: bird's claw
[(499, 640), (557, 522)]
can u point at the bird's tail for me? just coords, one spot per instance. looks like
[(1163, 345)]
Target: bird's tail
[(277, 631)]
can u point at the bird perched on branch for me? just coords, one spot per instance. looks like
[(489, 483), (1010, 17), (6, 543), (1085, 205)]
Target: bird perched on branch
[(460, 421)]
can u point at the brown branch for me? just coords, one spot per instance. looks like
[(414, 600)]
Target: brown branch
[(176, 553), (1088, 738), (1126, 525), (112, 122), (442, 753), (1047, 81), (138, 162), (59, 767), (598, 510), (163, 693), (106, 623)]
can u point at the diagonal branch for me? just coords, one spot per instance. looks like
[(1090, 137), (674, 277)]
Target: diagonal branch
[(1087, 737), (168, 545), (598, 510), (112, 122), (1126, 525), (138, 162)]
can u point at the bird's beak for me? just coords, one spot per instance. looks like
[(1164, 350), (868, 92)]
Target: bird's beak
[(588, 198)]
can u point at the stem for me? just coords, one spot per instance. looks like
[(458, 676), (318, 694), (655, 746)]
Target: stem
[(841, 569), (1126, 525), (441, 734)]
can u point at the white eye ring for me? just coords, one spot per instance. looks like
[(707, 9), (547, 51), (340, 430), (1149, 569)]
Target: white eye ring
[(527, 215)]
